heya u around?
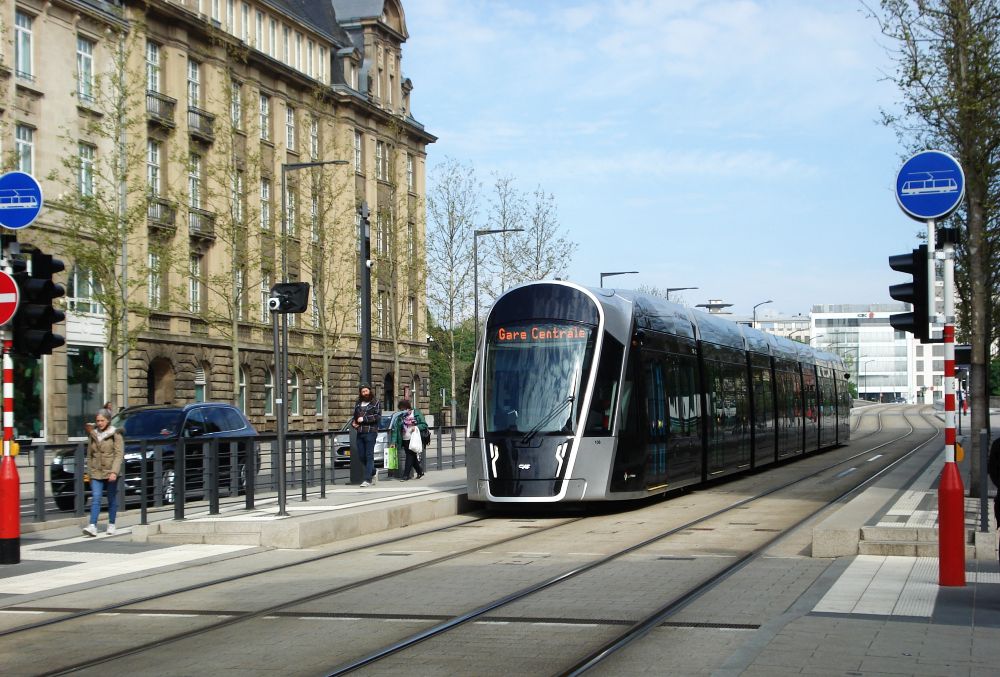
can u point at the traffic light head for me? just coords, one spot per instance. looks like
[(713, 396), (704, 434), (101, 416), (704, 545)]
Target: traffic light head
[(289, 297), (32, 331), (916, 293)]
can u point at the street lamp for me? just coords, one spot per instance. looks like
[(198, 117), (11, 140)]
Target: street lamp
[(670, 289), (864, 374), (281, 353), (799, 331), (755, 311), (621, 272), (475, 269)]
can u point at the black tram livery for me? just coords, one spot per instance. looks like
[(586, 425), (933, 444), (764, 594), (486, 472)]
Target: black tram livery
[(584, 394)]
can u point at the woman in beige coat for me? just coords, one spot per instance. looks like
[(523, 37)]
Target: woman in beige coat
[(105, 452)]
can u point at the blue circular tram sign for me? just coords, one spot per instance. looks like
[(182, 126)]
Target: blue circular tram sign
[(930, 185), (20, 199)]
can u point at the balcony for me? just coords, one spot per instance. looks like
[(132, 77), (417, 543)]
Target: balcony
[(201, 124), (160, 109), (161, 215), (201, 224)]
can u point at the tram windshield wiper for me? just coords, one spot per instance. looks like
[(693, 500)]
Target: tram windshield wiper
[(548, 417)]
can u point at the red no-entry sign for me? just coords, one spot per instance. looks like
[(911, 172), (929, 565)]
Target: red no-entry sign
[(8, 297)]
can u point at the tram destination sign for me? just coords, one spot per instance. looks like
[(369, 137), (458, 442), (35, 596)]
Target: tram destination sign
[(930, 185), (20, 199), (541, 332)]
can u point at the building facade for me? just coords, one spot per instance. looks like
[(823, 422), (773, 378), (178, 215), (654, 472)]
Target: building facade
[(192, 154)]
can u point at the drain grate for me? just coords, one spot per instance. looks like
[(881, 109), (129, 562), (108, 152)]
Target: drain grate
[(714, 626), (774, 531), (395, 554), (677, 559)]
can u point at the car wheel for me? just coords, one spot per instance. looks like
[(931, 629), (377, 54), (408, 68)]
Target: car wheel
[(169, 485), (65, 502), (242, 478)]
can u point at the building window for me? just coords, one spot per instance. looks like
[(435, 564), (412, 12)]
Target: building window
[(241, 293), (23, 62), (84, 385), (243, 389), (310, 57), (194, 84), (239, 198), (290, 127), (380, 317), (245, 24), (411, 316), (265, 117), (298, 51), (290, 212), (315, 310), (154, 281), (265, 294), (380, 160), (231, 16), (410, 182), (85, 69), (236, 104), (314, 137), (85, 179), (153, 167), (293, 393), (259, 32), (194, 181), (200, 384), (320, 398), (152, 67), (322, 65), (269, 392), (81, 288), (265, 204), (272, 34), (194, 283), (314, 218), (25, 148), (411, 242), (358, 167)]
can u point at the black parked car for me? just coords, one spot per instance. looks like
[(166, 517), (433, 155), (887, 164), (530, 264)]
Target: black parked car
[(159, 426)]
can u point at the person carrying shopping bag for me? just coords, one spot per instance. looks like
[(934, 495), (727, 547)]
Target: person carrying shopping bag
[(407, 434)]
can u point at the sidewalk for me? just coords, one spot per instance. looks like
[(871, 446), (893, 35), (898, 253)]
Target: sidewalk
[(62, 557)]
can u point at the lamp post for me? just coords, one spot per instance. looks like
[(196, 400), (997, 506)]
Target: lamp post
[(281, 356), (670, 289), (864, 375), (621, 272), (475, 269), (799, 331), (755, 311)]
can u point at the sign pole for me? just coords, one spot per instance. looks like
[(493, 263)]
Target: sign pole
[(951, 491), (10, 483)]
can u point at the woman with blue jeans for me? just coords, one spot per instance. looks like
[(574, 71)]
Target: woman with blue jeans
[(105, 452)]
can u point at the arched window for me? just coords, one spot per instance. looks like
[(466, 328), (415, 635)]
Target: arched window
[(243, 390), (293, 393), (200, 385), (269, 393)]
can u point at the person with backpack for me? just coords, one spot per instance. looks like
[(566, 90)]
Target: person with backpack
[(410, 433)]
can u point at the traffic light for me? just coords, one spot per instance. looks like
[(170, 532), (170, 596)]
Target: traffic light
[(289, 297), (915, 293), (35, 315)]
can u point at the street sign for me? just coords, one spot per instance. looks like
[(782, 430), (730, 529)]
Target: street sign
[(930, 185), (8, 298), (20, 199)]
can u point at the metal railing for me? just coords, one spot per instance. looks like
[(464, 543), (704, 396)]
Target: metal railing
[(208, 474)]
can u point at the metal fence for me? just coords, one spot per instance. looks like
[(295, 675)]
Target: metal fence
[(206, 475)]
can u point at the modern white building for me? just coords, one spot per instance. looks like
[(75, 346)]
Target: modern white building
[(885, 364)]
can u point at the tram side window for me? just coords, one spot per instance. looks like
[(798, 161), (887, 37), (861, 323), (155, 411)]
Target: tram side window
[(601, 417)]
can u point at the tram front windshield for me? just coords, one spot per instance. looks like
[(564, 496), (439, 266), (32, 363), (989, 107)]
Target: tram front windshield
[(535, 376)]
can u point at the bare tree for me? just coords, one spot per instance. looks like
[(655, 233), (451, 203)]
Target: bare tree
[(947, 54), (548, 251), (501, 254), (452, 209), (108, 199)]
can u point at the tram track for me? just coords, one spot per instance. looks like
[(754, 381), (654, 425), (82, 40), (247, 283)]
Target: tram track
[(641, 627), (285, 607)]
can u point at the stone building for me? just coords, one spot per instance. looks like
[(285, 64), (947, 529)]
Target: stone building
[(163, 133)]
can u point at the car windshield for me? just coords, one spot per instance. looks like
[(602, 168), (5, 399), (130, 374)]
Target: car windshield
[(149, 422)]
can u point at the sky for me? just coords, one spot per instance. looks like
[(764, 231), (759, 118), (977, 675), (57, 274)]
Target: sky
[(730, 145)]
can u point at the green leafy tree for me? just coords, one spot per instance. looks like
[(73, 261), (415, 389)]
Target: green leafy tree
[(947, 54)]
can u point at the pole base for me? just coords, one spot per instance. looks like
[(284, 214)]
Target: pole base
[(10, 550), (951, 527)]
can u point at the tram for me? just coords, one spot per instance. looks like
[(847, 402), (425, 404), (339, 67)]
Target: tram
[(583, 394)]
